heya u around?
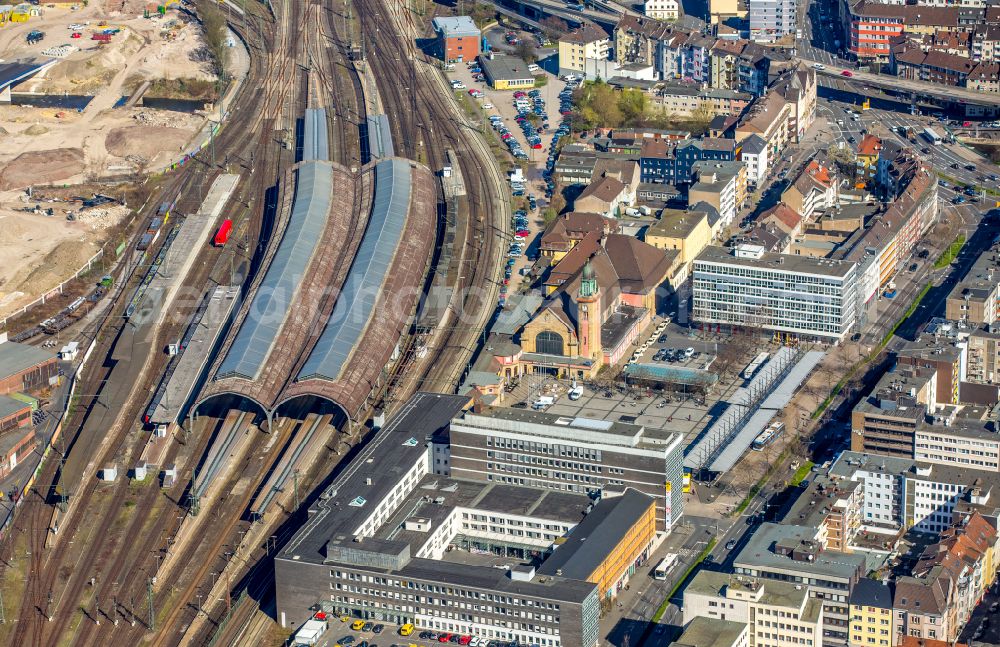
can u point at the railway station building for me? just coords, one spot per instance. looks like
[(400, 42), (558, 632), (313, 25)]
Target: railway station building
[(397, 538)]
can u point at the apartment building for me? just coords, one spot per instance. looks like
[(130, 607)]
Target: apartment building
[(587, 42), (770, 20), (808, 297), (941, 357), (792, 554), (901, 493), (776, 613), (815, 188), (685, 100), (661, 9), (871, 614), (974, 299), (833, 508), (982, 363), (754, 154), (687, 232), (722, 185), (575, 455), (872, 26)]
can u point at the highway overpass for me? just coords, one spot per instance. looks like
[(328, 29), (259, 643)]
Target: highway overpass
[(942, 93)]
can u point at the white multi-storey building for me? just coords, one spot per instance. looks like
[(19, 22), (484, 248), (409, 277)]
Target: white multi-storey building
[(795, 295), (771, 19), (661, 9)]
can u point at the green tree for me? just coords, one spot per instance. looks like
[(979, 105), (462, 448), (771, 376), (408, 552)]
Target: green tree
[(214, 24), (633, 105)]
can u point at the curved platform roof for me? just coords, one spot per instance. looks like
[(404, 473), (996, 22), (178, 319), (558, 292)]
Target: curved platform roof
[(371, 264), (278, 290), (337, 305)]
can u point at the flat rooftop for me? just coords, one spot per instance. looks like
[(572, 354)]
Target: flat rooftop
[(759, 554), (597, 536), (776, 592), (778, 262), (711, 632), (435, 497), (349, 500), (570, 428)]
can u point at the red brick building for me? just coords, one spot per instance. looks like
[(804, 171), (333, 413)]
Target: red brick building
[(458, 38), (25, 368), (15, 446), (14, 414)]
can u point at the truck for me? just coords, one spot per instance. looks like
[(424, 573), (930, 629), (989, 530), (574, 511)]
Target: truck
[(102, 38), (34, 36), (311, 632), (222, 236), (932, 136)]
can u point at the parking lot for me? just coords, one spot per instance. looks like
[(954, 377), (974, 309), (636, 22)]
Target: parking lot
[(529, 118), (351, 632)]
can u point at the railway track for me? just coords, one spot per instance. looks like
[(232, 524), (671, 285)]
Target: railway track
[(420, 105), (100, 552)]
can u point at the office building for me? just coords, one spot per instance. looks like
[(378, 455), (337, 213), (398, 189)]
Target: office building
[(577, 455), (458, 38), (792, 553), (799, 296), (900, 493), (776, 613), (704, 632), (393, 540)]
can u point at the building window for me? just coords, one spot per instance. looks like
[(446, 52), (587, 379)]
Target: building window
[(548, 342)]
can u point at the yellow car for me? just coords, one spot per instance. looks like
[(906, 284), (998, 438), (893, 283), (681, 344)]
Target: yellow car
[(357, 625), (406, 629), (345, 618)]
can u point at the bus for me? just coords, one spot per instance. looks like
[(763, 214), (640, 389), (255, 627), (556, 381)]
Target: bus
[(932, 135), (767, 436), (754, 365), (664, 567)]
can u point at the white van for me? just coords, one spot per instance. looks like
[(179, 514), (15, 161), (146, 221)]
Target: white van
[(542, 402), (533, 68)]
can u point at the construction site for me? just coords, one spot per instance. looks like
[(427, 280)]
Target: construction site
[(93, 96)]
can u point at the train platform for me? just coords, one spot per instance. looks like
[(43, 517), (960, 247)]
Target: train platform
[(184, 381), (193, 236)]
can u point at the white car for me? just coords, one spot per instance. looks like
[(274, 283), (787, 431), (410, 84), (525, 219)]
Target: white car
[(487, 105), (457, 85), (819, 66), (75, 27)]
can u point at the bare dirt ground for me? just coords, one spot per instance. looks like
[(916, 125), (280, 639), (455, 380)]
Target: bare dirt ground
[(144, 141), (40, 146), (41, 167), (166, 47)]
